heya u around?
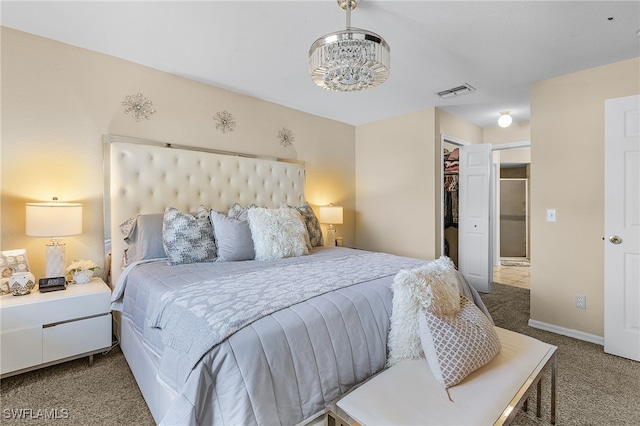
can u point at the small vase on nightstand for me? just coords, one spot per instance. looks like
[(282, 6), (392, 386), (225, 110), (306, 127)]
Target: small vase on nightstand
[(22, 283), (82, 277)]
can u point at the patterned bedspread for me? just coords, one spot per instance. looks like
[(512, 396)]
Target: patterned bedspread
[(280, 368), (197, 317)]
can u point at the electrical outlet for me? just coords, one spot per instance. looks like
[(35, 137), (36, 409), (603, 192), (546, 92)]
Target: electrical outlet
[(581, 302)]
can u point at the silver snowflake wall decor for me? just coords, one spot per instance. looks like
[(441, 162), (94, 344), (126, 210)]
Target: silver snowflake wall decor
[(286, 137), (226, 123), (139, 106)]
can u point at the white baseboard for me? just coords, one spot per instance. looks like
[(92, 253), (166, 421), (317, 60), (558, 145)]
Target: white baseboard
[(580, 335)]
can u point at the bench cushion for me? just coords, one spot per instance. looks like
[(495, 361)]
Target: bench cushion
[(408, 393)]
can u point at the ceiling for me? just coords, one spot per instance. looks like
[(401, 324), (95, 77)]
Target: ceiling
[(260, 48)]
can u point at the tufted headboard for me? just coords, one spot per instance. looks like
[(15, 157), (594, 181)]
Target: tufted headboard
[(146, 177)]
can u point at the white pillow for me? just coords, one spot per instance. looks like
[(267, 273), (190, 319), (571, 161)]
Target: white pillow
[(277, 233), (457, 345), (415, 289)]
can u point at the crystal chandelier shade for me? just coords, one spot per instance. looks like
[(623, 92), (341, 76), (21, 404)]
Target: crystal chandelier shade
[(349, 60)]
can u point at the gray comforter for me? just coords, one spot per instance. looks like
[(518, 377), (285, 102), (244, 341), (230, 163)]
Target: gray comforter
[(280, 368)]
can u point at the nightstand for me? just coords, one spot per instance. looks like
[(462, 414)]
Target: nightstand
[(41, 329)]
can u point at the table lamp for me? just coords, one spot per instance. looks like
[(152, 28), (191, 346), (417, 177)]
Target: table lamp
[(54, 220), (331, 215)]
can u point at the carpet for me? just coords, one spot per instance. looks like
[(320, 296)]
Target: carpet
[(594, 388)]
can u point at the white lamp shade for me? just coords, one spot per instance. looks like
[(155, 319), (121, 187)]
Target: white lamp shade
[(53, 220), (331, 215)]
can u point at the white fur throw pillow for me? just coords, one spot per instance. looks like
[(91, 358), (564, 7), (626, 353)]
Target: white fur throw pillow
[(433, 287), (277, 233)]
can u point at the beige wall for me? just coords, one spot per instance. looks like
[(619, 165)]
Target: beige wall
[(517, 132), (58, 101), (394, 185), (567, 173), (398, 185)]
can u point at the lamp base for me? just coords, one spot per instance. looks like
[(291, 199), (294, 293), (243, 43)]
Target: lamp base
[(55, 260), (330, 241)]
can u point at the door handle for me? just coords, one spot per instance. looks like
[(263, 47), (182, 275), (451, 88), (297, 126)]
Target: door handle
[(615, 239)]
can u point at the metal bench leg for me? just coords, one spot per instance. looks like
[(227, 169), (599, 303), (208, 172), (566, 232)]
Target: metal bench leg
[(554, 371), (539, 399)]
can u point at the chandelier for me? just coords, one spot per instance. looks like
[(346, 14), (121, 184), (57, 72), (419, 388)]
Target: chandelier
[(349, 60)]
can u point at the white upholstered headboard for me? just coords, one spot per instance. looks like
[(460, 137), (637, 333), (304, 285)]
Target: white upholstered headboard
[(146, 177)]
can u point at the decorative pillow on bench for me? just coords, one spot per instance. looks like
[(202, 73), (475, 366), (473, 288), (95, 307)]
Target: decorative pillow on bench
[(457, 344)]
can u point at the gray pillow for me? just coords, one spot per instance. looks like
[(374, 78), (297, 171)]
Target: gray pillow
[(143, 235), (311, 222), (188, 238), (236, 211), (233, 238)]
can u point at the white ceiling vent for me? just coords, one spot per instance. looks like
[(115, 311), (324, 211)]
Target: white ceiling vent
[(456, 91)]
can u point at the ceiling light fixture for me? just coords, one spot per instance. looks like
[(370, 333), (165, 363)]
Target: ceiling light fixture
[(349, 60), (505, 119)]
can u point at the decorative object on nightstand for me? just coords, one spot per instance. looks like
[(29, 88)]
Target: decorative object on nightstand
[(21, 283), (11, 261), (331, 215), (82, 271), (54, 220)]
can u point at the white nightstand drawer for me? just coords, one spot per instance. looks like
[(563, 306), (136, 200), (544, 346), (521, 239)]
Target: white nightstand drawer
[(77, 301), (76, 337), (41, 329), (20, 348)]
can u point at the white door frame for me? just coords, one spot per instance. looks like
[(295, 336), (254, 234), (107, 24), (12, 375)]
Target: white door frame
[(495, 198)]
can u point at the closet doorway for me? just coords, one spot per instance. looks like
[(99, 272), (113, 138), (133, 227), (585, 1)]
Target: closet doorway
[(450, 196), (503, 269)]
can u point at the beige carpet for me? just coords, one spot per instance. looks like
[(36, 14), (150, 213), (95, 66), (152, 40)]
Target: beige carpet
[(593, 388)]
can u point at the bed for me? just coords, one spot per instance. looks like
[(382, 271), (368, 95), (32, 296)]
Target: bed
[(244, 341)]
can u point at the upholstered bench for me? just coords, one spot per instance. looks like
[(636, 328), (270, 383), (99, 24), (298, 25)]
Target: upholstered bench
[(408, 394)]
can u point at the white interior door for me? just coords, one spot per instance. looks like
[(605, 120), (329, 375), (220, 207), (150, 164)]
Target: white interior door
[(474, 257), (622, 227)]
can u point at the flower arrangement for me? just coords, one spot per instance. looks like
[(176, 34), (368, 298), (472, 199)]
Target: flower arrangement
[(81, 265), (82, 270)]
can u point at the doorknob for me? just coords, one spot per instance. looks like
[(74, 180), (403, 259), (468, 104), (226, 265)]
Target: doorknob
[(615, 239)]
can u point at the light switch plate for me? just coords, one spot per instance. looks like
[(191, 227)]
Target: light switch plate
[(551, 215)]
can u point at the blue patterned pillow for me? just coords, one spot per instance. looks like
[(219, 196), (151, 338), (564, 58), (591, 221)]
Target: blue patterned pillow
[(188, 238)]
